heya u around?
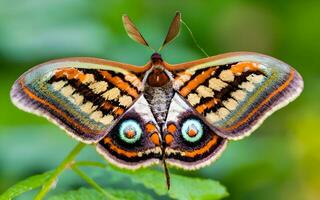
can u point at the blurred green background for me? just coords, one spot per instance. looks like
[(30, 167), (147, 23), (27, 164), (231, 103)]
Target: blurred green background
[(281, 160)]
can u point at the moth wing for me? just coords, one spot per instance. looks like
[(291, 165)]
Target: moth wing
[(83, 96), (236, 92), (136, 149), (189, 141)]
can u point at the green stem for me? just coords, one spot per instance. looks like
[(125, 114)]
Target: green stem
[(91, 182), (65, 164)]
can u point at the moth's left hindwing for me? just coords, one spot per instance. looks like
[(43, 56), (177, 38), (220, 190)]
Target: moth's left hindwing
[(190, 142), (84, 96)]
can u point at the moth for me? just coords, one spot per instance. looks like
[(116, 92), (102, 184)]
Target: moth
[(182, 114)]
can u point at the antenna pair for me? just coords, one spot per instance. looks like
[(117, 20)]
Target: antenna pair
[(173, 32), (134, 33)]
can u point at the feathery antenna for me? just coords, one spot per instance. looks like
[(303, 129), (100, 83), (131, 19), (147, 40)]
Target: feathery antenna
[(133, 32), (174, 30)]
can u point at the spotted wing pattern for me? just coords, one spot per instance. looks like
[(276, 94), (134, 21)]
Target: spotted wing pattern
[(235, 92), (84, 96)]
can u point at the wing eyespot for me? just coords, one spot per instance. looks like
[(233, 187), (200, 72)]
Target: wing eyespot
[(192, 130), (130, 131)]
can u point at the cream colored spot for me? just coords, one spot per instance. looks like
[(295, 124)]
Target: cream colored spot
[(58, 85), (177, 84), (230, 104), (247, 86), (184, 77), (226, 75), (193, 99), (134, 81), (212, 117), (107, 119), (125, 100), (223, 112), (97, 115), (89, 78), (253, 78), (88, 107), (112, 94), (99, 86), (217, 84), (181, 79), (67, 90), (239, 95), (78, 99), (170, 151), (204, 91)]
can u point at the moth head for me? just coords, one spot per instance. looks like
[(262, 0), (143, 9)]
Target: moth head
[(135, 34), (156, 58)]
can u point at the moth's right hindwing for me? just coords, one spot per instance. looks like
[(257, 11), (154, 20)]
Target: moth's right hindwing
[(84, 96)]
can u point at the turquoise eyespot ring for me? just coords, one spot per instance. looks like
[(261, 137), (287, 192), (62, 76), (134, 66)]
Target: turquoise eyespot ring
[(130, 131), (192, 130)]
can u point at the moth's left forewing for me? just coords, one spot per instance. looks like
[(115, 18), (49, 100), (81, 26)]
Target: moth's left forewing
[(235, 92), (84, 96)]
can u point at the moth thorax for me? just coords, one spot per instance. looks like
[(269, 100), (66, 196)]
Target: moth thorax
[(157, 77), (159, 99)]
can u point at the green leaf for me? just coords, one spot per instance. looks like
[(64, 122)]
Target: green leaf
[(26, 185), (182, 187), (92, 194)]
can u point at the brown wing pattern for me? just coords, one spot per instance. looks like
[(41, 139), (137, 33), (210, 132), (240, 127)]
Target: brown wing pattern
[(235, 92), (83, 98)]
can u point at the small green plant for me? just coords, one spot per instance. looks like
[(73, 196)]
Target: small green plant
[(182, 187)]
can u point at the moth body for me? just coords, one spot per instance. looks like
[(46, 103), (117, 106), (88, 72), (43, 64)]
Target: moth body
[(158, 89)]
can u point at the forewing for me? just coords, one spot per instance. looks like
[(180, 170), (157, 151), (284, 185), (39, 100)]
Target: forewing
[(235, 92), (84, 96), (134, 141), (189, 142)]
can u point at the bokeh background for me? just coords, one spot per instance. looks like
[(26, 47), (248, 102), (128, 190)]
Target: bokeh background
[(281, 160)]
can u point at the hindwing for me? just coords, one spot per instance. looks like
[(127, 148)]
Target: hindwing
[(135, 139), (190, 143)]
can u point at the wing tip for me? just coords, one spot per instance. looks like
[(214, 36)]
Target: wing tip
[(291, 92), (22, 101)]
